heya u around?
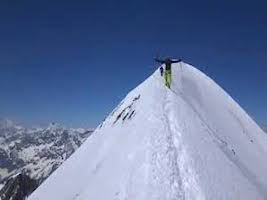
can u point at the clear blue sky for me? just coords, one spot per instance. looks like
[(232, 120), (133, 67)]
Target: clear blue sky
[(73, 61)]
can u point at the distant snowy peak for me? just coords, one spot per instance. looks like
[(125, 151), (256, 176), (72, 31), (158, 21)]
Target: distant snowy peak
[(6, 123)]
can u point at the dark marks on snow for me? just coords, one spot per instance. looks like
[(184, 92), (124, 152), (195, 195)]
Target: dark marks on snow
[(242, 125), (233, 151), (109, 116), (112, 113), (137, 98), (117, 196), (125, 117), (128, 112), (132, 114), (251, 177), (76, 196), (100, 126), (119, 116)]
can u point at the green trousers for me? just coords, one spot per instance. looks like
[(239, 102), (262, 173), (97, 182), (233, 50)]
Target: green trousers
[(168, 78)]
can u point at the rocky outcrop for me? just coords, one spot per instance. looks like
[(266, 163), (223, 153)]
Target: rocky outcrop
[(18, 187)]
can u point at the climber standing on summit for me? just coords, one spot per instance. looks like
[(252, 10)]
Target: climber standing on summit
[(168, 71)]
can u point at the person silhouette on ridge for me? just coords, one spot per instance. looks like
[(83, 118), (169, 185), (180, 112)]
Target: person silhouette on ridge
[(168, 71), (161, 70)]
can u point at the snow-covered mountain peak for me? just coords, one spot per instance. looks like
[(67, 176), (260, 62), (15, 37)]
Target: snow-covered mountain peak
[(191, 142)]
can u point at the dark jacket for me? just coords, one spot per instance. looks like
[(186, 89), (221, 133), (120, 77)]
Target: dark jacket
[(168, 62)]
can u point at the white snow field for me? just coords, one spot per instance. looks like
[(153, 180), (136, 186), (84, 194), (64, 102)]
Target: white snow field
[(191, 142)]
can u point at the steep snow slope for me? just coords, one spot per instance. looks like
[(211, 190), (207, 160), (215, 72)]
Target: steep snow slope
[(191, 142)]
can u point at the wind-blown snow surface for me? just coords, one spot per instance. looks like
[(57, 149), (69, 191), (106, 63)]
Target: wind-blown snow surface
[(191, 142)]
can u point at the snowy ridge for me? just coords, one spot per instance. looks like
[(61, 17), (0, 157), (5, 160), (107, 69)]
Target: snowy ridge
[(191, 142)]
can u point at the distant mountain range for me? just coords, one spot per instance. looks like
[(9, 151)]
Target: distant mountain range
[(36, 152)]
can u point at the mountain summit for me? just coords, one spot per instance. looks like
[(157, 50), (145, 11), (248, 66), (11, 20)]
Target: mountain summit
[(192, 141)]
